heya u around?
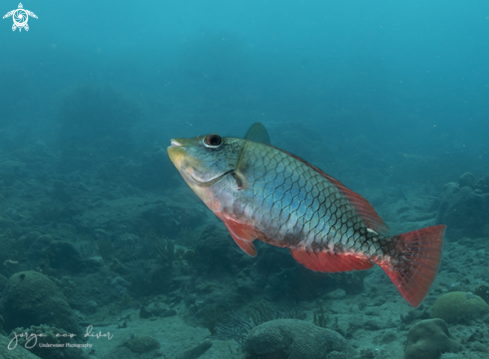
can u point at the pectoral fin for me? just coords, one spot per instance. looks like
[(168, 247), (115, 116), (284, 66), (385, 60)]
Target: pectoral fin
[(243, 235), (256, 133)]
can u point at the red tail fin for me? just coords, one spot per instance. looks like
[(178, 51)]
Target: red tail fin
[(414, 267)]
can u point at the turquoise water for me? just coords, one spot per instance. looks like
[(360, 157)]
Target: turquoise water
[(391, 98)]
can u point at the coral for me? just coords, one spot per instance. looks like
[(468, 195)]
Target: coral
[(455, 307), (63, 255), (320, 318), (237, 326), (294, 339), (66, 285), (31, 298), (428, 339)]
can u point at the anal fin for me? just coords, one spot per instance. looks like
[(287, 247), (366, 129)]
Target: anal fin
[(242, 234), (330, 262)]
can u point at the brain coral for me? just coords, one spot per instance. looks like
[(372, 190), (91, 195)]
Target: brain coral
[(428, 339), (295, 339), (455, 307), (31, 298)]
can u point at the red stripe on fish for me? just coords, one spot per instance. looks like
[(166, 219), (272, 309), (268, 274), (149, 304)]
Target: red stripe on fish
[(330, 262)]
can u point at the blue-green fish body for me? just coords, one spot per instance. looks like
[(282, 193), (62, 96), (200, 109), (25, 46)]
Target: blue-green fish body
[(261, 192)]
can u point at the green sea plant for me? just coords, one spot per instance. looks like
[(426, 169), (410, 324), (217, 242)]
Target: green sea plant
[(212, 318), (239, 325), (321, 319), (165, 250)]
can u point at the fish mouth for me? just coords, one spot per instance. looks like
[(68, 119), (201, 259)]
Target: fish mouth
[(186, 166), (176, 152)]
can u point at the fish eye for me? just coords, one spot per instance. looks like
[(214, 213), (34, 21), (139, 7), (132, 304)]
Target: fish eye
[(212, 141)]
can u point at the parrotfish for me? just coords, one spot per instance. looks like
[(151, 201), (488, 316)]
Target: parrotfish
[(262, 192)]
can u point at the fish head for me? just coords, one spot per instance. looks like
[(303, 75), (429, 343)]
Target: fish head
[(204, 160)]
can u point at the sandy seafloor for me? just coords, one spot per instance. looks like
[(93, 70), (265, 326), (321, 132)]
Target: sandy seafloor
[(82, 203)]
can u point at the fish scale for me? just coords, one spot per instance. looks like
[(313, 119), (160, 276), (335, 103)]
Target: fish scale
[(287, 187), (262, 192)]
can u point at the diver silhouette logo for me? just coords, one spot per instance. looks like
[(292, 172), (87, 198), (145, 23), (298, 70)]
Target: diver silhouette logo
[(20, 17)]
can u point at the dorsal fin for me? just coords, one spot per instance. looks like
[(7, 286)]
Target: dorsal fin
[(258, 133), (363, 207)]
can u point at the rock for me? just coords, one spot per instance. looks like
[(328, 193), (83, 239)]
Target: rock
[(3, 282), (94, 262), (18, 353), (90, 307), (160, 277), (464, 209), (467, 179), (156, 309), (31, 298), (63, 255), (455, 307), (294, 339), (428, 339), (388, 337), (141, 344), (194, 351)]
